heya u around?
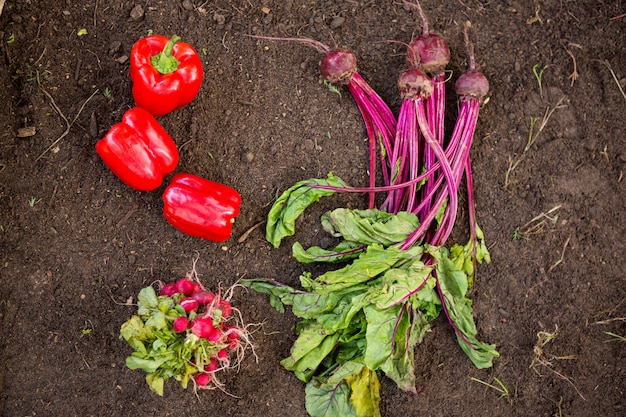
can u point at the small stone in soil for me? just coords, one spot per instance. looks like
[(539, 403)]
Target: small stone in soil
[(337, 21), (137, 12), (187, 5)]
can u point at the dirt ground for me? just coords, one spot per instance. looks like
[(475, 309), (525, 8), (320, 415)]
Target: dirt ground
[(76, 243)]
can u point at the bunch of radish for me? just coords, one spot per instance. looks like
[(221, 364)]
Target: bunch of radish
[(186, 332)]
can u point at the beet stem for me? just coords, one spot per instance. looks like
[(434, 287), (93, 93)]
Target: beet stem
[(317, 45), (469, 46)]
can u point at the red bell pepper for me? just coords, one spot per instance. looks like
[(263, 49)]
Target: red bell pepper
[(138, 150), (166, 73), (200, 207)]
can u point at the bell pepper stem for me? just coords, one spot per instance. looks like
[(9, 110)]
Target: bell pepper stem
[(165, 62)]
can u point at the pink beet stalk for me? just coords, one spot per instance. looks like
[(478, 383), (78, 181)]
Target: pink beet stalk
[(471, 87), (431, 54), (416, 87)]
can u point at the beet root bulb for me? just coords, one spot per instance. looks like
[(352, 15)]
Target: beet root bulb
[(338, 66)]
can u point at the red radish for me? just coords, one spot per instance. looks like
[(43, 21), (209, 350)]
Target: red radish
[(222, 355), (202, 379), (197, 329), (180, 324), (168, 289), (212, 365), (233, 340), (202, 326), (215, 336), (189, 304), (185, 286), (225, 307), (204, 297)]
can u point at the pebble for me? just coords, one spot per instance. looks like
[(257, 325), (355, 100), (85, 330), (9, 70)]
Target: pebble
[(187, 5), (220, 19), (122, 59), (337, 21), (247, 156), (26, 132), (114, 47), (93, 125), (137, 12)]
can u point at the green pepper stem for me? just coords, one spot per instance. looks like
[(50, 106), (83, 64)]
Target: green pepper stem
[(165, 62)]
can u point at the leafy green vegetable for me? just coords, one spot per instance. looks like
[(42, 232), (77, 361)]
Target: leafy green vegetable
[(329, 396), (463, 256), (380, 335), (369, 226), (307, 305), (370, 264), (281, 220), (400, 365), (344, 251), (309, 350), (453, 284), (369, 315), (365, 393)]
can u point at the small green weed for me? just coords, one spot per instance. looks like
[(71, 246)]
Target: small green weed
[(539, 76)]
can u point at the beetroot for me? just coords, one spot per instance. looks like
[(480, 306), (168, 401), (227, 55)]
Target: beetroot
[(338, 66), (429, 52), (472, 84), (414, 83)]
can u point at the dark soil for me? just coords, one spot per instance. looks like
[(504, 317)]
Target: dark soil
[(76, 243)]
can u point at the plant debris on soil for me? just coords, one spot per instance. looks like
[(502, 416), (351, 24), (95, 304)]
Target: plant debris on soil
[(77, 245)]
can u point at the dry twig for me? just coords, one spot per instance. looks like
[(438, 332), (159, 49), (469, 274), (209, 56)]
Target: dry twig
[(619, 86), (67, 122), (560, 261), (540, 358), (574, 75)]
